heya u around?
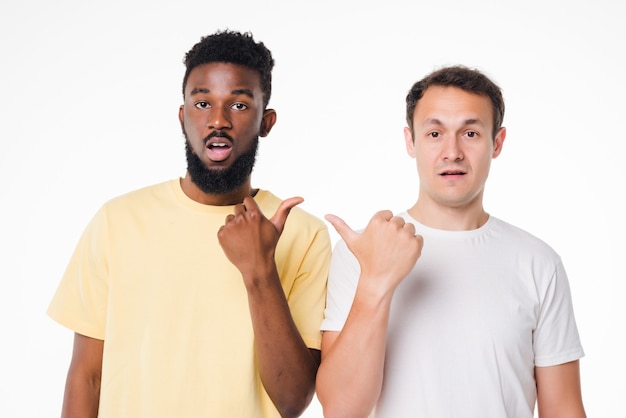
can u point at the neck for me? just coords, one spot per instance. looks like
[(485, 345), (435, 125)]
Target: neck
[(223, 199), (449, 218)]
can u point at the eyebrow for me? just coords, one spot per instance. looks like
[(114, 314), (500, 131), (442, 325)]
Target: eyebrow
[(474, 122), (435, 121), (236, 92)]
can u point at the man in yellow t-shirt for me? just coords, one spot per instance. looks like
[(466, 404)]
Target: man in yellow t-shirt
[(185, 299)]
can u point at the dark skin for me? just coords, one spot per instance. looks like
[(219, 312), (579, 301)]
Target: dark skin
[(82, 388), (228, 98), (287, 367)]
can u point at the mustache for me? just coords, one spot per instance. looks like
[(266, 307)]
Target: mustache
[(220, 134)]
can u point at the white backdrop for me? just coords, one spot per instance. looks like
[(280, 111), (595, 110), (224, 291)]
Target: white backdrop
[(89, 95)]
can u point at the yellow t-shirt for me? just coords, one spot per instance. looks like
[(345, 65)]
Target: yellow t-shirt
[(149, 277)]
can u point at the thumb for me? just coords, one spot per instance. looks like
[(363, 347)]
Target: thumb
[(347, 233), (280, 217)]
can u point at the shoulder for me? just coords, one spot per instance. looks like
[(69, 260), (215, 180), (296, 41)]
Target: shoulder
[(524, 241), (143, 194), (137, 204)]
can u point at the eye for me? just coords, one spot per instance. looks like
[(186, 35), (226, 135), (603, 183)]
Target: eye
[(239, 106), (202, 105), (433, 134), (471, 134)]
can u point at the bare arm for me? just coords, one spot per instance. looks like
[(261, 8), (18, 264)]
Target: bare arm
[(350, 377), (286, 366), (82, 387), (558, 391)]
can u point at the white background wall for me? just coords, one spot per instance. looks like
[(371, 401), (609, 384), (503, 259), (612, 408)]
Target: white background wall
[(89, 95)]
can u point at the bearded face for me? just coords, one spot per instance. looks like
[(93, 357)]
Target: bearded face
[(221, 180)]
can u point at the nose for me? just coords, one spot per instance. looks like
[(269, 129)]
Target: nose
[(452, 149), (219, 119)]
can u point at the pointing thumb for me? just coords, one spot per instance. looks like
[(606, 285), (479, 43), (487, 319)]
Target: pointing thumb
[(280, 217), (342, 228)]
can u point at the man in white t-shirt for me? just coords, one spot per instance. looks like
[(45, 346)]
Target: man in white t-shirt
[(445, 310)]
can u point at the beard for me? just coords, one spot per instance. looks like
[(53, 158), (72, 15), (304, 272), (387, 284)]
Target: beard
[(221, 180)]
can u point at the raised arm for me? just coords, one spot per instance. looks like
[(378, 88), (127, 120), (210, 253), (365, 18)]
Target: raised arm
[(287, 367), (558, 391), (82, 387), (350, 377)]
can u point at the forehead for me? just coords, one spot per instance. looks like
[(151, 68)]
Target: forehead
[(220, 77), (448, 103)]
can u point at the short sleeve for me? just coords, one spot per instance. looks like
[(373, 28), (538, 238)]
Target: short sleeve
[(307, 296), (555, 339), (342, 283), (81, 297)]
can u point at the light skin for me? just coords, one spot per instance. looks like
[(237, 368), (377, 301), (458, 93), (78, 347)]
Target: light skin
[(453, 143), (228, 98)]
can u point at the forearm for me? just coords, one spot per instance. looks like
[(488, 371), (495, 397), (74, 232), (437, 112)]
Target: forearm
[(82, 396), (350, 377), (286, 366)]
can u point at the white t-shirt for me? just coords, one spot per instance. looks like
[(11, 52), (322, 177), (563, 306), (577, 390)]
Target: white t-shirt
[(468, 325)]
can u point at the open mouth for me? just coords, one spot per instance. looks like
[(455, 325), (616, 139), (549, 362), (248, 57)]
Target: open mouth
[(218, 149)]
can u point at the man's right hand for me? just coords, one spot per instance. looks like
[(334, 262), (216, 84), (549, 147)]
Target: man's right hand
[(387, 249)]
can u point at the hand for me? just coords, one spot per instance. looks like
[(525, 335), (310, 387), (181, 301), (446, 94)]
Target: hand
[(249, 239), (386, 250)]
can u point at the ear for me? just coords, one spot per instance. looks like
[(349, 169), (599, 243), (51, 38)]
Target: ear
[(409, 142), (181, 114), (498, 142), (268, 121)]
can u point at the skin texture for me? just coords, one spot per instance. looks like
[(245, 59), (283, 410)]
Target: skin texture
[(453, 145), (350, 377), (82, 388), (286, 366), (228, 98), (452, 134), (558, 391)]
